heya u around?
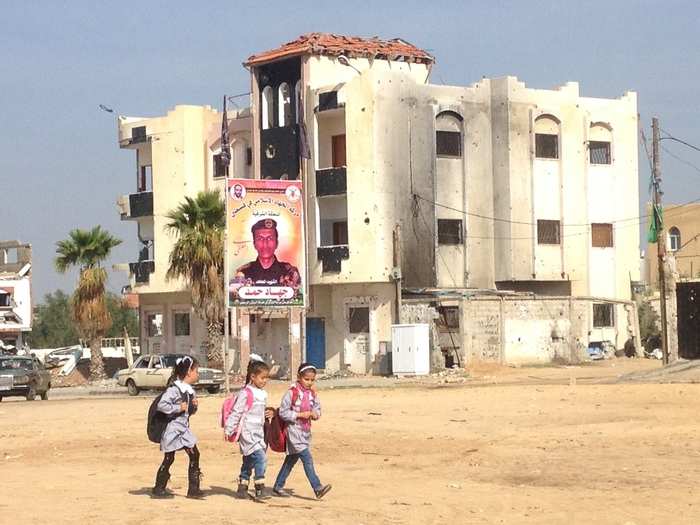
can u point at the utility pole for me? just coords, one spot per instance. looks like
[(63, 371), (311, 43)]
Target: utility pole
[(660, 237)]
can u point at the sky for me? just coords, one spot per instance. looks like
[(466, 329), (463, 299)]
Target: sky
[(61, 167)]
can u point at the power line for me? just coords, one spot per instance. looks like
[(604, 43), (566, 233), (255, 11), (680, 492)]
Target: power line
[(676, 139), (679, 159)]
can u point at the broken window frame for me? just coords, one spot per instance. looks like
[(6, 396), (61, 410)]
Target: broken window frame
[(450, 232), (546, 146), (548, 232), (603, 315), (599, 152), (358, 319)]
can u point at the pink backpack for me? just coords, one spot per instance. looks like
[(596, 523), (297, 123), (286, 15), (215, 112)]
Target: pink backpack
[(227, 408)]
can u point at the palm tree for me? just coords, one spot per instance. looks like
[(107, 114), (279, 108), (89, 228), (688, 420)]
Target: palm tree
[(198, 258), (87, 249)]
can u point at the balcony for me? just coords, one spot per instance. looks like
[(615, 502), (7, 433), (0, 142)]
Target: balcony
[(331, 181), (331, 257), (136, 205), (138, 136), (142, 271)]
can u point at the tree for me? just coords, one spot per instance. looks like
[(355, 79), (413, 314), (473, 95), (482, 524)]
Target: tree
[(198, 258), (87, 249), (649, 326), (52, 326)]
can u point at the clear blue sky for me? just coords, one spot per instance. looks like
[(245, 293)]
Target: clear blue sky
[(60, 166)]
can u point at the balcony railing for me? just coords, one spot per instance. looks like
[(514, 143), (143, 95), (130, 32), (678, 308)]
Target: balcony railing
[(142, 270), (331, 181), (140, 204)]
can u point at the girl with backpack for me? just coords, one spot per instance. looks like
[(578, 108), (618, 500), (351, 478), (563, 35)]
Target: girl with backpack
[(246, 421), (300, 405), (179, 402)]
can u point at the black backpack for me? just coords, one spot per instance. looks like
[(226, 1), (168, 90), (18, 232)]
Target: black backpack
[(157, 421)]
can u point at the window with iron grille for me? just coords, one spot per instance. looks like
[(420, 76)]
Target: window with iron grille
[(546, 146), (548, 232), (449, 231), (359, 320), (448, 143), (181, 320), (601, 235), (599, 152), (219, 168), (603, 316)]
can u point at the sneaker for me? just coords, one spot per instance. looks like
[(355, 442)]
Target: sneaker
[(280, 493), (323, 491)]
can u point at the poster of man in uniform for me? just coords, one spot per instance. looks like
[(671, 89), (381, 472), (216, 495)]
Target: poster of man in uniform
[(265, 243)]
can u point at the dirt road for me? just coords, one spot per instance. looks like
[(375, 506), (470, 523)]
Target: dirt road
[(571, 453)]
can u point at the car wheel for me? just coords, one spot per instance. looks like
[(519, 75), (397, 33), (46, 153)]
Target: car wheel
[(31, 395), (214, 389), (132, 388), (45, 396)]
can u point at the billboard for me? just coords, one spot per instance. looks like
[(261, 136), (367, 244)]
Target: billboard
[(265, 245)]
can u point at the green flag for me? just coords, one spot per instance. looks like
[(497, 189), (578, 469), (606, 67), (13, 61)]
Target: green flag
[(656, 221)]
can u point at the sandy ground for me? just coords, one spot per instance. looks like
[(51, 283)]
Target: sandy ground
[(490, 452)]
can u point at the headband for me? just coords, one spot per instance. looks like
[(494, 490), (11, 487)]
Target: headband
[(307, 367)]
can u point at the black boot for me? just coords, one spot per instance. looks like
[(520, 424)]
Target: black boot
[(322, 491), (260, 493), (194, 475), (159, 490), (242, 492)]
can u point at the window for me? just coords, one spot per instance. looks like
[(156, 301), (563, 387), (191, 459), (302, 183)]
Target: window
[(448, 143), (674, 239), (340, 233), (154, 325), (338, 151), (5, 299), (219, 167), (142, 362), (284, 105), (449, 231), (546, 146), (599, 152), (327, 100), (181, 320), (548, 232), (249, 156), (359, 320), (145, 182), (603, 316), (601, 235), (268, 115), (449, 317), (138, 134)]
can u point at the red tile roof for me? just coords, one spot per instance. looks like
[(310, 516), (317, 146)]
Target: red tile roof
[(351, 46)]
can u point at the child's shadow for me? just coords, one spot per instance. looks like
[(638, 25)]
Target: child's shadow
[(145, 491)]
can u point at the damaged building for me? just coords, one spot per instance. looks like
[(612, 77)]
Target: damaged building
[(15, 295), (431, 203)]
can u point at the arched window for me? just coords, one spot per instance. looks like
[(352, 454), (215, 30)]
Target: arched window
[(547, 137), (268, 115), (297, 101), (285, 105), (600, 143), (448, 134), (674, 239)]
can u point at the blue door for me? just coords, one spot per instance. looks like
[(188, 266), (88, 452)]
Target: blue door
[(316, 341)]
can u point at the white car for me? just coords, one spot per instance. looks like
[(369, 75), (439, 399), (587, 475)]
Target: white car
[(153, 372)]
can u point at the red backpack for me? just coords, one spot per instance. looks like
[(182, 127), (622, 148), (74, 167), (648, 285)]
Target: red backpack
[(276, 428), (227, 408)]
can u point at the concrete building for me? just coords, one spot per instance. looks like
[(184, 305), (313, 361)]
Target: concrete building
[(492, 186), (15, 295), (415, 193), (176, 156), (682, 226)]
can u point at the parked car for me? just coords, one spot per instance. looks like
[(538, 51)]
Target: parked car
[(23, 376), (60, 356), (152, 372)]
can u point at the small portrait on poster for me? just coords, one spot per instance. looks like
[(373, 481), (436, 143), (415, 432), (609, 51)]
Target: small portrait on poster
[(265, 248)]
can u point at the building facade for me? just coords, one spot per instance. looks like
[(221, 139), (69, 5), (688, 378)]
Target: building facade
[(424, 190), (176, 155), (15, 295)]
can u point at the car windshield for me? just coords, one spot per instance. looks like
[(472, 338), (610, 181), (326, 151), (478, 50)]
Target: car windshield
[(14, 363)]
